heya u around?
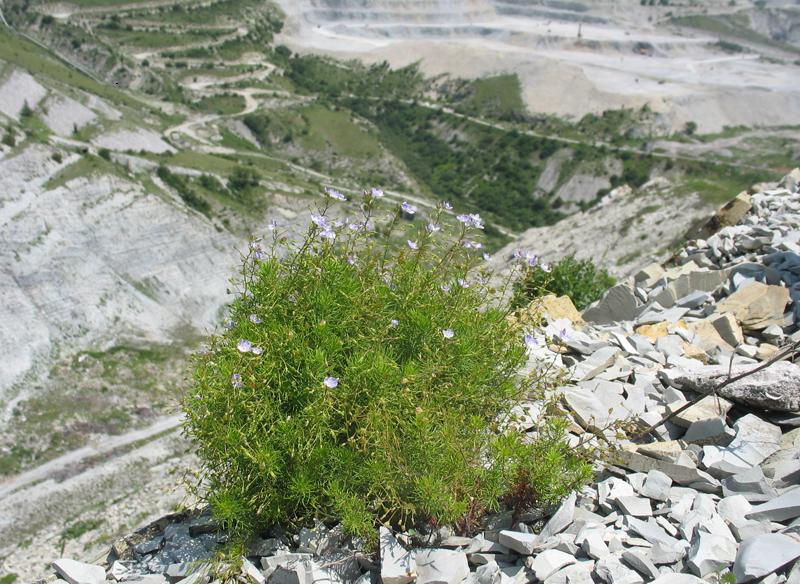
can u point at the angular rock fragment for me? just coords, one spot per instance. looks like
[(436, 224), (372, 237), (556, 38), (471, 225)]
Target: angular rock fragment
[(773, 388), (762, 555), (440, 566), (548, 563), (76, 572), (710, 553), (783, 508), (398, 565)]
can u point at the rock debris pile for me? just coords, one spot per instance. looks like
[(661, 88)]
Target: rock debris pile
[(714, 489)]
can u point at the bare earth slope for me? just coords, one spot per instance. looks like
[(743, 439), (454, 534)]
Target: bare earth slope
[(571, 62)]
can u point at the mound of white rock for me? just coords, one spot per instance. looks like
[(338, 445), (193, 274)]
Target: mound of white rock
[(713, 490)]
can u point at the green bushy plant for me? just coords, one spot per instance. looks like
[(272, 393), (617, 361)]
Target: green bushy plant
[(360, 382), (581, 280)]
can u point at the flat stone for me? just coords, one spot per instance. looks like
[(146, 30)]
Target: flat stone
[(595, 364), (440, 566), (683, 475), (678, 579), (751, 483), (756, 306), (577, 573), (710, 553), (611, 570), (762, 555), (710, 431), (76, 572), (782, 508), (649, 275), (548, 563), (662, 553), (652, 532), (252, 573), (707, 408), (618, 304), (640, 562), (755, 440), (560, 519), (523, 543), (728, 328), (656, 485), (398, 565), (636, 506), (592, 542), (773, 388)]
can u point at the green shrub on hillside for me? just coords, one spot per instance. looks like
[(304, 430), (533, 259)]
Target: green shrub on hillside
[(581, 280), (360, 383)]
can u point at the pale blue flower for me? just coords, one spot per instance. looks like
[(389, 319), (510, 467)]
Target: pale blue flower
[(236, 380), (472, 244), (351, 260), (530, 341), (448, 333), (394, 323), (244, 346), (355, 226), (486, 257), (334, 194), (328, 233), (545, 268), (256, 350), (255, 319), (319, 220), (563, 334), (272, 225), (463, 283), (412, 244), (376, 193), (471, 220), (408, 208), (445, 288), (447, 206), (433, 227), (517, 254), (330, 382)]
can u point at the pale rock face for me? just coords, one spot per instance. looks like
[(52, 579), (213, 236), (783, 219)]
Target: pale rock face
[(764, 554), (78, 572)]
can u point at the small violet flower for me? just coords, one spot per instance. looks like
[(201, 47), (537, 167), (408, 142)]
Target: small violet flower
[(531, 342), (471, 220), (447, 206), (254, 318), (334, 194), (545, 268), (351, 260), (330, 382), (236, 380), (412, 244), (445, 288), (256, 350), (448, 333), (272, 225), (486, 257), (319, 220), (244, 346), (394, 323), (328, 233), (463, 283), (376, 193), (433, 227), (408, 208)]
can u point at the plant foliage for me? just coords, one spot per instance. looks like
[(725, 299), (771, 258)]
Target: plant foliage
[(361, 383), (581, 280)]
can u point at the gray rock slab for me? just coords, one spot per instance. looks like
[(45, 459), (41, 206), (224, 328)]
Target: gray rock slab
[(710, 553), (711, 431), (683, 475), (440, 566), (751, 483), (639, 561), (783, 508), (548, 563), (523, 543), (618, 304), (612, 571), (762, 555), (636, 506), (773, 388), (76, 572), (398, 565), (560, 519)]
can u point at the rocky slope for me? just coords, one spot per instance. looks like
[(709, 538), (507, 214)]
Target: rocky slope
[(711, 487)]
